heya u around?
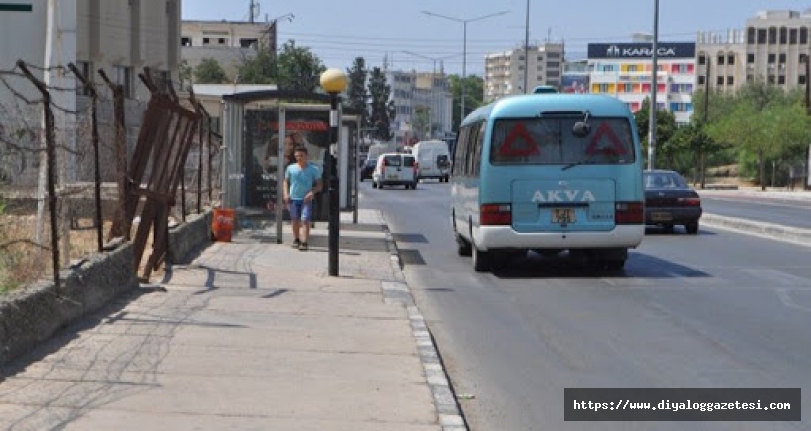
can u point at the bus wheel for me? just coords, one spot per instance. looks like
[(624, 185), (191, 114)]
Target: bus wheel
[(481, 260)]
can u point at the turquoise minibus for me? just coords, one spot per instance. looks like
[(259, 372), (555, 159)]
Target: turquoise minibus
[(548, 173)]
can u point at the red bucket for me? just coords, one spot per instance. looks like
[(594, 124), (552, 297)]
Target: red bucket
[(222, 224)]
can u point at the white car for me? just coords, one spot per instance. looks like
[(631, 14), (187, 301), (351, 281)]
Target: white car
[(395, 169)]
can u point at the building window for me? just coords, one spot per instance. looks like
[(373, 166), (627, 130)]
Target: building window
[(123, 77), (720, 80), (783, 36), (248, 43), (772, 58), (792, 36), (701, 80), (553, 55), (750, 58), (801, 80), (540, 58), (730, 80), (222, 41), (721, 60), (771, 79), (761, 36), (185, 41), (781, 80), (86, 69), (772, 35), (750, 35), (702, 60), (730, 59), (750, 78), (803, 35), (206, 41)]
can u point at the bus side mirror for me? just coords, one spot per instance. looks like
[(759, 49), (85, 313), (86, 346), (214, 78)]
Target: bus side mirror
[(581, 129)]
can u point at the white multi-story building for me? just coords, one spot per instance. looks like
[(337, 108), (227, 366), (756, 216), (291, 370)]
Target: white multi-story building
[(519, 70), (625, 71), (412, 91), (226, 42), (122, 37)]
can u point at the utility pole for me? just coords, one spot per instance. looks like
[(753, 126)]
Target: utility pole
[(526, 53), (654, 89)]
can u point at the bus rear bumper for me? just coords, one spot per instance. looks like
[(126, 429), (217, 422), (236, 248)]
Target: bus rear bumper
[(504, 237)]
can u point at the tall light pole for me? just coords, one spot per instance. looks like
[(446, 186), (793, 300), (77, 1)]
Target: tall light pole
[(464, 50), (433, 77), (526, 53), (333, 81), (654, 88)]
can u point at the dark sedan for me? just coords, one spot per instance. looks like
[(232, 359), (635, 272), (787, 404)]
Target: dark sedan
[(669, 201), (367, 169)]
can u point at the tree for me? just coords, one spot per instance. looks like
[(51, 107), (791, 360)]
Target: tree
[(356, 92), (209, 71), (474, 95), (185, 74), (383, 109), (259, 68), (421, 122), (665, 128), (298, 68)]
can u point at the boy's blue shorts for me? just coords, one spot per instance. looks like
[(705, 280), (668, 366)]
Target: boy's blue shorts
[(300, 210)]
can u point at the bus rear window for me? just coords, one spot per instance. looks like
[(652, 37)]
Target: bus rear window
[(550, 141)]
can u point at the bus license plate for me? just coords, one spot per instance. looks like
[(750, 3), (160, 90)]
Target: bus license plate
[(563, 215)]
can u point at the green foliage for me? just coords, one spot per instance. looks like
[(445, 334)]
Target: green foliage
[(259, 69), (383, 109), (765, 125), (665, 129), (421, 122), (209, 71), (299, 69), (357, 96), (474, 95), (185, 74)]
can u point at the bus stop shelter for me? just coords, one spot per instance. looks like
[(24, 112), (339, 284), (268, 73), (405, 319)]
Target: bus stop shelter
[(260, 130)]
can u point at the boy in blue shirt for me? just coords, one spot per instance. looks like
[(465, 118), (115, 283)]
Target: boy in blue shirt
[(302, 180)]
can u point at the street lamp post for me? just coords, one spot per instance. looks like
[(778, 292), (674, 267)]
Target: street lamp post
[(654, 89), (464, 50), (333, 81)]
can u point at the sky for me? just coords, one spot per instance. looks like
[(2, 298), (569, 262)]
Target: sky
[(338, 32)]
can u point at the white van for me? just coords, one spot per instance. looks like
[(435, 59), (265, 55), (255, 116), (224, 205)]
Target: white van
[(395, 169), (433, 158)]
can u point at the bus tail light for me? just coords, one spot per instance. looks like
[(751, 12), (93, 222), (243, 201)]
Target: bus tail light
[(496, 215), (629, 213)]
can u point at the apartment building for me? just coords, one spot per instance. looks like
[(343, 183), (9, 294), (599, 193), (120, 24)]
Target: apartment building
[(773, 47), (413, 91), (519, 70), (229, 43), (625, 71)]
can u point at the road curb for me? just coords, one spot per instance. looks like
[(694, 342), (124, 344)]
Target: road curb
[(770, 230), (397, 291)]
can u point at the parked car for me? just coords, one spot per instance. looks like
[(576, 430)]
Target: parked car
[(395, 169), (367, 168), (670, 201)]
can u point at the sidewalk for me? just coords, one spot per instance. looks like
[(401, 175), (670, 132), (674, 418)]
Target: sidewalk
[(251, 335)]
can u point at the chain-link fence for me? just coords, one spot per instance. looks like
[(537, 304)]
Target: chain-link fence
[(66, 168)]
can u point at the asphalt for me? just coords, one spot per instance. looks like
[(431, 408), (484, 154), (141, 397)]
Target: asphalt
[(255, 335)]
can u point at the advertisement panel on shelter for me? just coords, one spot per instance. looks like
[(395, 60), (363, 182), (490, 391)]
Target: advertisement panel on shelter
[(302, 128)]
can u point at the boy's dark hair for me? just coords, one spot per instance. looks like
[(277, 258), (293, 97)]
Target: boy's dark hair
[(300, 149)]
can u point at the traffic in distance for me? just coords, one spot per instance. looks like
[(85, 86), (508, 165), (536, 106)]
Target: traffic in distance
[(545, 172)]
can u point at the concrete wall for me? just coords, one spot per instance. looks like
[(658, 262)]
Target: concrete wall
[(33, 314)]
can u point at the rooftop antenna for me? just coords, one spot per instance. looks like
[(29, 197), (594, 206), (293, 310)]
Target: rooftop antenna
[(254, 11)]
